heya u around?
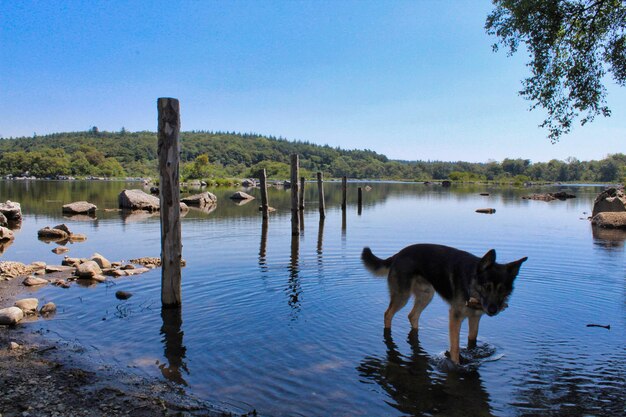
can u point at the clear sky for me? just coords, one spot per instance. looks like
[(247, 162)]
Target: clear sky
[(408, 79)]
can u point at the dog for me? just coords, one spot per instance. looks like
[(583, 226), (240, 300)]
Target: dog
[(472, 286)]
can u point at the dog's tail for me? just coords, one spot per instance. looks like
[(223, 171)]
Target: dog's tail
[(377, 266)]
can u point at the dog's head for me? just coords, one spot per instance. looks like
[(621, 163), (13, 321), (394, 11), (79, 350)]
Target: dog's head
[(494, 282)]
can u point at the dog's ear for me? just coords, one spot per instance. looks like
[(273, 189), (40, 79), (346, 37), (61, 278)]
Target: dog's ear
[(487, 261), (513, 267)]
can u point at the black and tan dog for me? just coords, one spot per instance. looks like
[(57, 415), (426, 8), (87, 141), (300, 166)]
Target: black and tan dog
[(471, 285)]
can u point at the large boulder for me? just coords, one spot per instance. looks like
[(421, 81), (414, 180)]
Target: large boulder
[(610, 220), (11, 316), (79, 207), (138, 200), (200, 200), (610, 200), (11, 210)]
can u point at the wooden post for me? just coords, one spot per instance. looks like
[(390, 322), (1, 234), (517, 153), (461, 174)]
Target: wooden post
[(320, 192), (295, 219), (344, 192), (169, 196), (360, 200), (301, 197), (264, 203)]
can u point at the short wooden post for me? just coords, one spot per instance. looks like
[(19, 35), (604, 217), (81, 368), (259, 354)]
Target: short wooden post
[(320, 192), (169, 196), (360, 200), (295, 219), (264, 202), (301, 196), (344, 192)]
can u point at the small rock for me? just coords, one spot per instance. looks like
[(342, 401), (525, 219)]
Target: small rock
[(79, 207), (127, 266), (136, 271), (38, 264), (52, 234), (77, 237), (48, 308), (32, 281), (60, 249), (6, 234), (67, 261), (88, 270), (123, 295), (59, 268), (11, 316), (486, 210), (101, 261), (27, 305), (118, 273), (240, 195), (14, 346)]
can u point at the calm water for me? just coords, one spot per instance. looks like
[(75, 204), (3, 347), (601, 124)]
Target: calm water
[(294, 326)]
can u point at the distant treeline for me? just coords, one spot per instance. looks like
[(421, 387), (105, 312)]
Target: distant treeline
[(214, 155)]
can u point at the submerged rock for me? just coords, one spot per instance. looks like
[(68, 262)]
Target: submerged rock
[(610, 220), (123, 295), (32, 281), (240, 195), (79, 207), (48, 308)]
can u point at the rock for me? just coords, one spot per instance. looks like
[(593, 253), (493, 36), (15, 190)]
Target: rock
[(11, 211), (67, 261), (200, 200), (127, 267), (486, 210), (77, 237), (63, 227), (38, 264), (123, 295), (136, 271), (368, 188), (48, 308), (32, 281), (99, 278), (484, 194), (610, 200), (50, 269), (27, 305), (14, 269), (248, 182), (60, 249), (101, 261), (240, 195), (138, 200), (52, 234), (3, 220), (79, 207), (118, 273), (6, 234), (14, 346), (560, 195), (11, 316), (610, 220), (88, 270)]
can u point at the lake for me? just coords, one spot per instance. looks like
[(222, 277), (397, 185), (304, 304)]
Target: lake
[(293, 326)]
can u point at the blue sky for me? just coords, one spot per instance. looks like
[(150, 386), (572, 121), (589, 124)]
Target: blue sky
[(409, 79)]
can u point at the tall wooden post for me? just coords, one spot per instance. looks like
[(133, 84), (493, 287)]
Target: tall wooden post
[(320, 192), (295, 219), (301, 196), (344, 192), (360, 200), (264, 203), (171, 245)]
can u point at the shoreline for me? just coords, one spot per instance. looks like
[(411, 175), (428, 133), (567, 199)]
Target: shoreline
[(44, 377)]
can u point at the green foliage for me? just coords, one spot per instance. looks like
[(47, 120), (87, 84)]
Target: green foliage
[(214, 155), (572, 44)]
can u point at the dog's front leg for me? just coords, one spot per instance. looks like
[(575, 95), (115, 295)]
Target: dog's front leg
[(454, 331), (472, 336)]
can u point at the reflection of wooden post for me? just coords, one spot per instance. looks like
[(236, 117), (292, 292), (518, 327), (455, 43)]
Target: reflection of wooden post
[(343, 223), (174, 349), (320, 191), (344, 192), (263, 248), (360, 200), (264, 202), (295, 220), (171, 246), (301, 197), (320, 237)]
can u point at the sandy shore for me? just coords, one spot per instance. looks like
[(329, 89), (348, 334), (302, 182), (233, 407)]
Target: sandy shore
[(41, 377)]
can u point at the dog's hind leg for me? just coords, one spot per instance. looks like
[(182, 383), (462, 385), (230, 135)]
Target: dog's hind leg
[(423, 292), (473, 331), (398, 299)]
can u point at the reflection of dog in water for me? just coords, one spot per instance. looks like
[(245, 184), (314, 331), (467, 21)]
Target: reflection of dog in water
[(471, 286)]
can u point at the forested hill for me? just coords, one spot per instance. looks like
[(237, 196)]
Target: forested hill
[(219, 155)]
